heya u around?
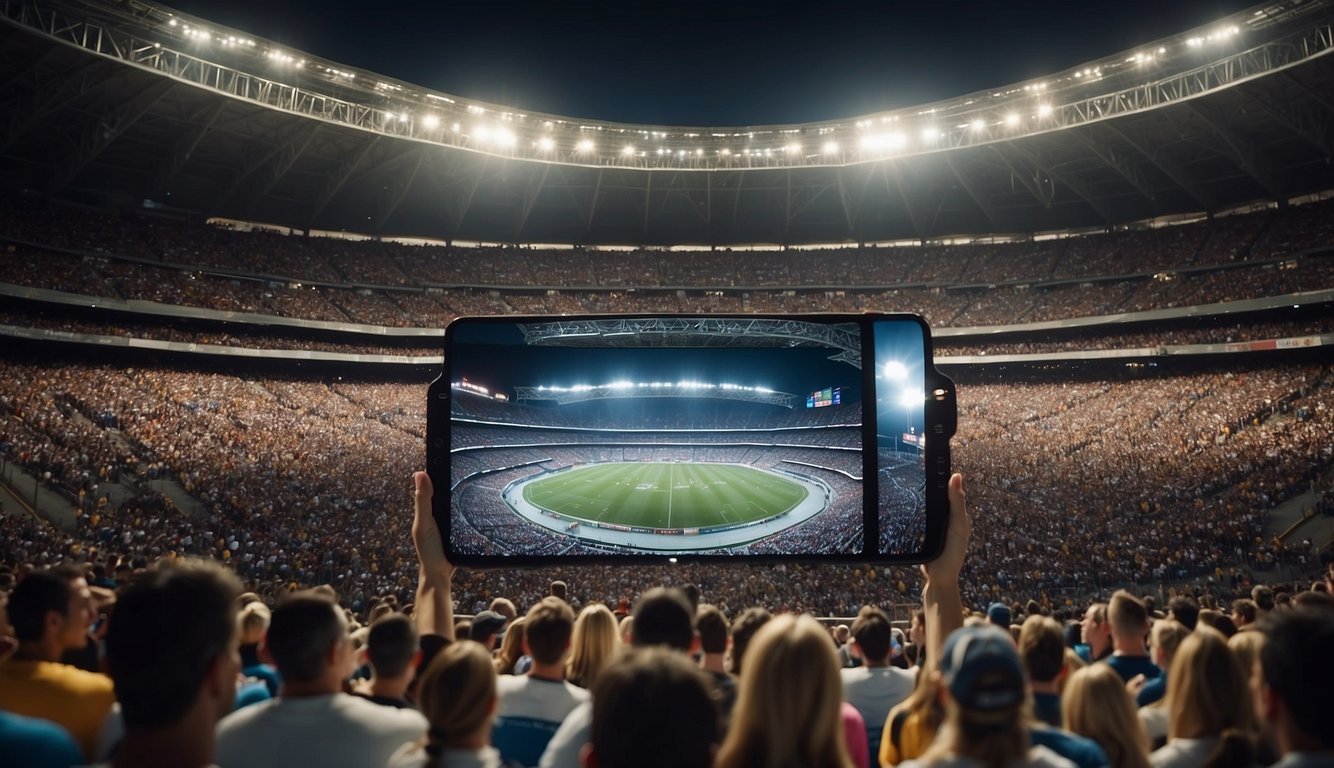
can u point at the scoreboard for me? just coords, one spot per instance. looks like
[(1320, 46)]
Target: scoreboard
[(825, 397)]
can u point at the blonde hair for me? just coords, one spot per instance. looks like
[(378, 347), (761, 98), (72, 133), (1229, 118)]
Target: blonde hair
[(1208, 697), (1166, 636), (511, 647), (458, 693), (1096, 704), (253, 621), (788, 709), (595, 641), (1246, 647)]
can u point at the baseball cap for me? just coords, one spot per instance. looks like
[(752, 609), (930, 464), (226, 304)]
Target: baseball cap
[(487, 623), (1000, 615), (981, 668)]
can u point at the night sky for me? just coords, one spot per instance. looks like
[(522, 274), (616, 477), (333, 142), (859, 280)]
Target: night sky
[(725, 63)]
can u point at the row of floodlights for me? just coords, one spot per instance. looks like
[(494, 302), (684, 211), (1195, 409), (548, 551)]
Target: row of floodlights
[(625, 386)]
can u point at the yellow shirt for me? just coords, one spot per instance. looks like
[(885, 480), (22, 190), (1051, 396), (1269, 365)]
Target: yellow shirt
[(914, 737), (65, 695)]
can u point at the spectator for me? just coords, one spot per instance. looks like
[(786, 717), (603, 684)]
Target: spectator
[(770, 726), (652, 709), (171, 649), (744, 627), (1129, 621), (1210, 716), (51, 611), (458, 699), (1000, 615), (1291, 684), (1166, 638), (312, 721), (1095, 634), (715, 637), (1184, 609), (1096, 705), (1244, 613), (393, 651), (661, 617), (531, 706), (595, 642), (876, 687), (511, 650), (254, 620), (42, 743), (1042, 650), (485, 628), (1263, 597)]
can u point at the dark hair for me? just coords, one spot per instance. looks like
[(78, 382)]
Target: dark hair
[(38, 594), (744, 628), (1185, 609), (305, 626), (1042, 648), (559, 589), (169, 626), (871, 629), (390, 644), (663, 617), (653, 709), (1246, 607), (1263, 597), (1297, 665), (712, 627), (547, 629), (1127, 613)]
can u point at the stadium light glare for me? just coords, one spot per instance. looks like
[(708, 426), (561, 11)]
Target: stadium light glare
[(930, 134), (1012, 119), (978, 124), (546, 144), (431, 122), (584, 146), (628, 149), (505, 137), (830, 147), (895, 370), (911, 398), (1044, 110), (793, 148)]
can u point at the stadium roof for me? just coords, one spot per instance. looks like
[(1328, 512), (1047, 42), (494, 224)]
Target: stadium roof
[(126, 102)]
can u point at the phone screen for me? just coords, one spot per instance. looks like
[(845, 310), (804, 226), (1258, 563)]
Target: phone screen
[(697, 437)]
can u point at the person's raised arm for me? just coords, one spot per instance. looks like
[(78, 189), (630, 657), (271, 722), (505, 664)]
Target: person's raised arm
[(941, 601), (434, 611)]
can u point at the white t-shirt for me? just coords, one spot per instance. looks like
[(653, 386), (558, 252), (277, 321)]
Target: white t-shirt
[(1037, 757), (1182, 753), (528, 713), (331, 730), (574, 732), (414, 756), (874, 691)]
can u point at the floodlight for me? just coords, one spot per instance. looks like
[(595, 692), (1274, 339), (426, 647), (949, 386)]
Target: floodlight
[(895, 370), (929, 135), (505, 137), (431, 122), (911, 398), (1044, 110), (830, 147), (482, 133), (628, 149), (979, 124), (793, 148), (1012, 119), (546, 144), (584, 146)]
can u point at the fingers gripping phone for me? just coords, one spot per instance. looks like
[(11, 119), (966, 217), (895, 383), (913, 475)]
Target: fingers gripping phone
[(665, 438)]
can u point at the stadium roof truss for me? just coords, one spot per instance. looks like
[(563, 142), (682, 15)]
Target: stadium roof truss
[(117, 103), (734, 332)]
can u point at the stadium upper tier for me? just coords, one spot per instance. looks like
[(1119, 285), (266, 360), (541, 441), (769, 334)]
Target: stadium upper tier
[(127, 102)]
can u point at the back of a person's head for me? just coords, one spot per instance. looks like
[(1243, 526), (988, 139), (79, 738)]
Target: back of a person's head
[(744, 627), (305, 627), (788, 707), (981, 669), (873, 633), (1185, 609), (39, 593), (1095, 704), (1127, 614), (712, 628), (253, 619), (1246, 647), (1263, 597), (391, 644), (547, 629), (1245, 608), (653, 709), (456, 695), (168, 628), (595, 641), (1297, 664), (1314, 600), (1042, 648), (1216, 621), (559, 589), (1208, 693), (663, 617), (1166, 636), (503, 606)]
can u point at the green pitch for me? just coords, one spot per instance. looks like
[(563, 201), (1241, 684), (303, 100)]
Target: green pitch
[(665, 495)]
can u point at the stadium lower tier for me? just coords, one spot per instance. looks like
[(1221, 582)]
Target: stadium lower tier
[(1074, 485)]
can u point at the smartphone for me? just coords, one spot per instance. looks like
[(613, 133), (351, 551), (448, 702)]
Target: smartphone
[(671, 438)]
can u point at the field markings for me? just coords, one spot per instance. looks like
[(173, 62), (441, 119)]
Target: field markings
[(671, 484)]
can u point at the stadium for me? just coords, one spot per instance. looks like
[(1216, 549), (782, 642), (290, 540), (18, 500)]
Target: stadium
[(1126, 266)]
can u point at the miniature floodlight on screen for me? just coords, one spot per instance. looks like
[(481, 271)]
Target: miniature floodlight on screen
[(680, 437)]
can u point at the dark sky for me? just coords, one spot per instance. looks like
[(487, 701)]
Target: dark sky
[(725, 62)]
